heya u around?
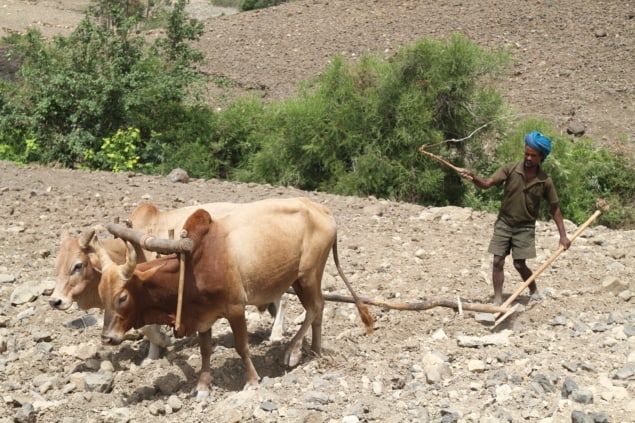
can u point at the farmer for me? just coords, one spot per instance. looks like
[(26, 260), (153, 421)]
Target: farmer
[(525, 186)]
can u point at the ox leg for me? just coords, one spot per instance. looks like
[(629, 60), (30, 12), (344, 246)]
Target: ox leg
[(205, 377), (277, 311), (313, 303), (157, 340), (238, 324)]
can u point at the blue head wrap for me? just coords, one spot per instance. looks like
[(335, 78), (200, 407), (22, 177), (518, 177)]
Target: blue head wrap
[(538, 142)]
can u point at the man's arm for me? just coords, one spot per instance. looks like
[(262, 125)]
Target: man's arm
[(556, 213), (479, 182)]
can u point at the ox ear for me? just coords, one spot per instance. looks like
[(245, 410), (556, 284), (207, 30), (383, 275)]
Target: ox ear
[(148, 274), (85, 239), (127, 269)]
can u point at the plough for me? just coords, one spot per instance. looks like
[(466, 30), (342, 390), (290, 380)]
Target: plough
[(184, 245)]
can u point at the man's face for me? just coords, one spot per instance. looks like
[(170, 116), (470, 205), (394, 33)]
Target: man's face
[(532, 157)]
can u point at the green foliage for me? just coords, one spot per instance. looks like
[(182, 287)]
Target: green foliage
[(213, 144), (104, 98), (119, 152), (592, 178), (357, 132), (75, 91), (246, 5)]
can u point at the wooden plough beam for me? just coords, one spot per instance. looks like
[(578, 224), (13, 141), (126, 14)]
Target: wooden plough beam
[(416, 306), (184, 244)]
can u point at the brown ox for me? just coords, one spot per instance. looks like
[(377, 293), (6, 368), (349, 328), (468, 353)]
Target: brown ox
[(78, 267), (251, 256)]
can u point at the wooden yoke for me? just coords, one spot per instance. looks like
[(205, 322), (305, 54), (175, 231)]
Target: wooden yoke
[(150, 243)]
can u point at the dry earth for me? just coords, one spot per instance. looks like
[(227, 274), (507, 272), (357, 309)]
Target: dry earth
[(574, 62), (421, 366)]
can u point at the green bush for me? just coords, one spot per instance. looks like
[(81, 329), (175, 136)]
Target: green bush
[(357, 128), (246, 5), (76, 91), (354, 130)]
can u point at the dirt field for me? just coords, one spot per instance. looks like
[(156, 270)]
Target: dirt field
[(569, 356)]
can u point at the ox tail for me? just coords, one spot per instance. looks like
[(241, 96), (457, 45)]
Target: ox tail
[(368, 320)]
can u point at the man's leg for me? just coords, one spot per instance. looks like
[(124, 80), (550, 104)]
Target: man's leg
[(498, 277), (525, 273)]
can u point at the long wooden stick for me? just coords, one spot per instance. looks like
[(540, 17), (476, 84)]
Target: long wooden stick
[(179, 303), (418, 306), (423, 150), (546, 264)]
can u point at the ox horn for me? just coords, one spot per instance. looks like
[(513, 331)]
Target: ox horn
[(85, 238), (104, 258), (127, 269)]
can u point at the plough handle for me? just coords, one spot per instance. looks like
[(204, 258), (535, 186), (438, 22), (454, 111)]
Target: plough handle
[(546, 264)]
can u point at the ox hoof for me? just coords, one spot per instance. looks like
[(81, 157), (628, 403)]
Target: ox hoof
[(154, 353), (202, 395), (276, 339), (293, 358)]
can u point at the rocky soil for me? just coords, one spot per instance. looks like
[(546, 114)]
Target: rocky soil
[(572, 353), (569, 356)]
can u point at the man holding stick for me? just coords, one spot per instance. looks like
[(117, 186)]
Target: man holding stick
[(526, 184)]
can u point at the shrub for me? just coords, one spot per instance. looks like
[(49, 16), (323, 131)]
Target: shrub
[(357, 128), (76, 91)]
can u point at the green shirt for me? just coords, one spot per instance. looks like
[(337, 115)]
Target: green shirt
[(521, 201)]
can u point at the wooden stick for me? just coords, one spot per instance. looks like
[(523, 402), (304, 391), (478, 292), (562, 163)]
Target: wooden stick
[(445, 162), (150, 243), (546, 264), (424, 305), (179, 303)]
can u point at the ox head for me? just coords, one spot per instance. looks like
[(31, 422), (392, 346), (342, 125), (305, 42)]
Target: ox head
[(77, 268), (119, 291)]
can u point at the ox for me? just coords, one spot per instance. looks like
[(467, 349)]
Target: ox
[(248, 257), (78, 267)]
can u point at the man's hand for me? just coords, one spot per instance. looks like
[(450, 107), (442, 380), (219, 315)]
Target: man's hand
[(466, 173), (565, 242)]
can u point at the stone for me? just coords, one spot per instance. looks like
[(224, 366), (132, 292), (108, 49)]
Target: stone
[(576, 129), (582, 396), (25, 293), (568, 386), (178, 175)]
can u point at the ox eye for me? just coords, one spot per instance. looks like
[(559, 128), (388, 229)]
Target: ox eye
[(77, 267), (123, 298)]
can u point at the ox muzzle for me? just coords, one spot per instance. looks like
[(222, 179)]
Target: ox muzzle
[(111, 340), (60, 303)]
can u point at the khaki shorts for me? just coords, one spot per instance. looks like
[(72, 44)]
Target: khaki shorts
[(520, 241)]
